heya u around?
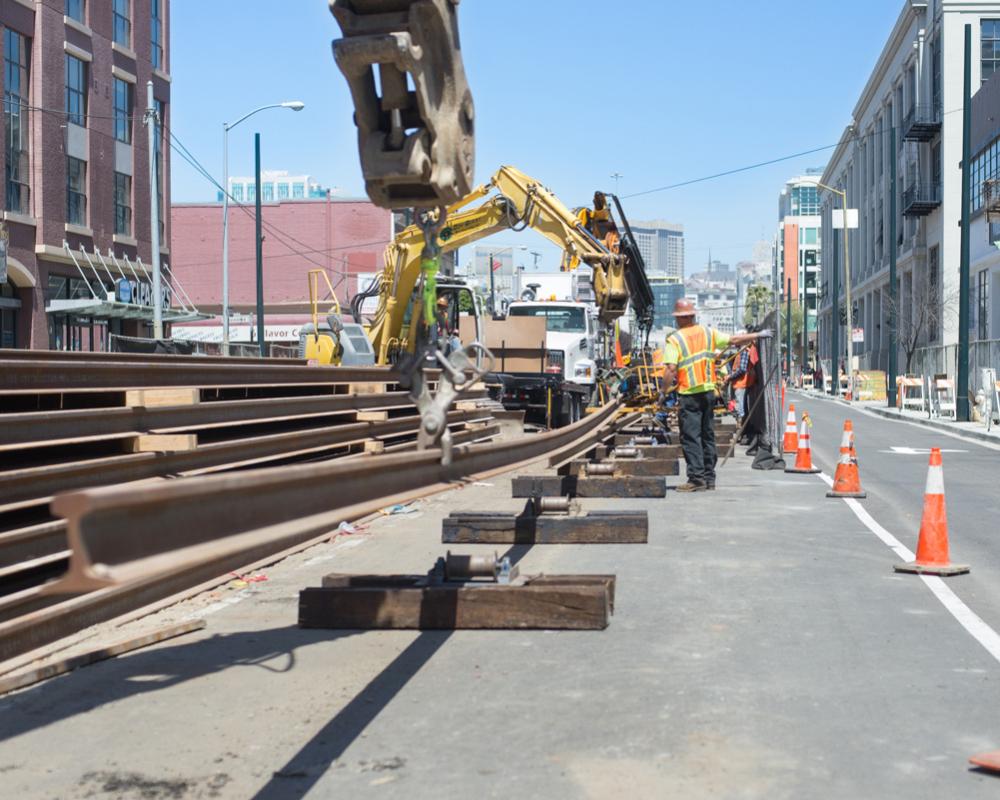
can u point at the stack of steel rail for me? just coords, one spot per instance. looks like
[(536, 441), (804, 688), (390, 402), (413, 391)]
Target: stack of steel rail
[(71, 421)]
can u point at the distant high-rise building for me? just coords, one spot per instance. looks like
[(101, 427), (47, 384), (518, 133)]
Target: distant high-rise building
[(662, 247), (666, 292), (797, 246), (275, 185)]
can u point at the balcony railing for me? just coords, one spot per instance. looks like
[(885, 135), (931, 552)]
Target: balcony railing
[(921, 198), (921, 123)]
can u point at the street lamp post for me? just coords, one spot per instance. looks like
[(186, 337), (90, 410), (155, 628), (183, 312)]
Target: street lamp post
[(294, 105), (493, 297)]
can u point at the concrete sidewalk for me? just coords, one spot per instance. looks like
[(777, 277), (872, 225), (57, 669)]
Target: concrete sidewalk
[(971, 430), (761, 648)]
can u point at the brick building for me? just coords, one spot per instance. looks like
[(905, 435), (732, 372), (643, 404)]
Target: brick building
[(75, 164), (344, 237)]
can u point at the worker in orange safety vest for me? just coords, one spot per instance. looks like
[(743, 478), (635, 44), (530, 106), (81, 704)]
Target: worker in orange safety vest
[(689, 361)]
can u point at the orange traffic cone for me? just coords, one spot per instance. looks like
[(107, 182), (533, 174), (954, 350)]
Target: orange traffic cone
[(803, 457), (846, 480), (990, 760), (932, 547), (791, 441)]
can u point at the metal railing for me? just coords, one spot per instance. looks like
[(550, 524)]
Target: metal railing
[(921, 194)]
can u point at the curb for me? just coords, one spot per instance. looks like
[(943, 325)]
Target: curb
[(963, 433)]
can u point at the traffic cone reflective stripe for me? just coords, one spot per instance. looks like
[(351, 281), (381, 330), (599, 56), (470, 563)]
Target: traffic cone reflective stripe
[(791, 440), (847, 480), (803, 456), (932, 546)]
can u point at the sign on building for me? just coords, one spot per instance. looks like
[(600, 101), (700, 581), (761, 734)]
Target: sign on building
[(838, 219), (858, 335)]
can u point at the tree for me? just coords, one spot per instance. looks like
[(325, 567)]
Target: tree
[(758, 302), (929, 312)]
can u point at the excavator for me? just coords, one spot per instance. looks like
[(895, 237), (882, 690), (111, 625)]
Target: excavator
[(511, 200)]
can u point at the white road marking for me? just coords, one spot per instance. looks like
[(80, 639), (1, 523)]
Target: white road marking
[(966, 617), (916, 451)]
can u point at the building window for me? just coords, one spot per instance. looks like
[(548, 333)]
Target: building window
[(267, 192), (74, 9), (15, 112), (989, 38), (123, 22), (298, 191), (983, 301), (985, 166), (76, 90), (251, 193), (936, 75), (76, 191), (123, 204), (237, 192), (282, 191), (123, 111), (156, 33)]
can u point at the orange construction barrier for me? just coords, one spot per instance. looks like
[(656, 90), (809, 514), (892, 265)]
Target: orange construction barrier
[(790, 444), (932, 547), (846, 480), (803, 457)]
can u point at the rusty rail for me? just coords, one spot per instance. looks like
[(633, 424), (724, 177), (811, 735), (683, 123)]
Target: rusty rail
[(129, 549), (45, 375)]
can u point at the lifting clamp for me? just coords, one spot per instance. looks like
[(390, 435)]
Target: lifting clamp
[(417, 145)]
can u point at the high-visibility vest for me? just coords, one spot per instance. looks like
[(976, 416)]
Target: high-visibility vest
[(697, 348), (749, 377)]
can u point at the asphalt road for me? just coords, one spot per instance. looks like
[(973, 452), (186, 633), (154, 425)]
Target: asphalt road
[(761, 648), (893, 460)]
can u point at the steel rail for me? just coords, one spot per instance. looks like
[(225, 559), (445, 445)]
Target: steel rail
[(48, 427), (50, 479), (38, 553), (131, 549), (41, 376), (8, 354)]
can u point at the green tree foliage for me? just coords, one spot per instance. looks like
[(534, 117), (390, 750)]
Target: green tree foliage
[(756, 304)]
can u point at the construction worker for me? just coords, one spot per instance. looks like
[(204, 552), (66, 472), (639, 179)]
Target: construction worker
[(689, 361)]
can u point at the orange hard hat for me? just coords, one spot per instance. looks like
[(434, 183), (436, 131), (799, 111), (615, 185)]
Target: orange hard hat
[(683, 308)]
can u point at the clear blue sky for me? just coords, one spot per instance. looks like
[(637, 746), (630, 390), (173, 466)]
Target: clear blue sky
[(570, 92)]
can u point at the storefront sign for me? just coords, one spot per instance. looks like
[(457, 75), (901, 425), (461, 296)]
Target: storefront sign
[(139, 293)]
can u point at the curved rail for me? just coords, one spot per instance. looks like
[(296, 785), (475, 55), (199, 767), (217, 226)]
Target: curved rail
[(130, 549)]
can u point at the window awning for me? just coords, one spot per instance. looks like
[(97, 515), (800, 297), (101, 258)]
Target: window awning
[(112, 309)]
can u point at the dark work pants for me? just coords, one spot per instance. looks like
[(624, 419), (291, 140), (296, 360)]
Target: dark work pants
[(698, 436)]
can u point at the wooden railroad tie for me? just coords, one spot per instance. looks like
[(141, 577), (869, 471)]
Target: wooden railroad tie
[(575, 486), (161, 443), (594, 527), (158, 398), (468, 597)]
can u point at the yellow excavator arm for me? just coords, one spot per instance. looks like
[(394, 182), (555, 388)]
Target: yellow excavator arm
[(514, 201)]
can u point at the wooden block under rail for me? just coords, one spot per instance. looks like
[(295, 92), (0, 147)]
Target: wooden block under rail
[(372, 416), (643, 467), (595, 527), (367, 388), (374, 447), (545, 602), (562, 485), (155, 398), (162, 443)]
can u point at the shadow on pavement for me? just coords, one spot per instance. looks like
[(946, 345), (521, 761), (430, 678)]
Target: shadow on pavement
[(91, 687)]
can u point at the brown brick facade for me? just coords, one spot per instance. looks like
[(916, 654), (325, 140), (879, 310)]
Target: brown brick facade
[(36, 248)]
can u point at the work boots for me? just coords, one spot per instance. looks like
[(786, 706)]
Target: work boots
[(693, 486)]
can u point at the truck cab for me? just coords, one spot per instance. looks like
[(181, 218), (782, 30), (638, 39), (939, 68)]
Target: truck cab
[(570, 337)]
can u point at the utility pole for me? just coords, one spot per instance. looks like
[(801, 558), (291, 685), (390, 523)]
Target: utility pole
[(493, 293), (260, 248), (152, 126), (893, 334), (788, 327), (962, 380), (616, 176), (835, 327), (849, 366)]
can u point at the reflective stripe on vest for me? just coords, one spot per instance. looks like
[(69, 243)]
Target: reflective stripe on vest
[(696, 366)]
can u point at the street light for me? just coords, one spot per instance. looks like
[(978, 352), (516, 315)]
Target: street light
[(294, 105), (847, 290), (493, 296)]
